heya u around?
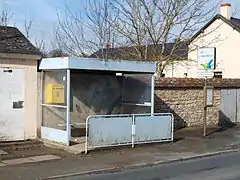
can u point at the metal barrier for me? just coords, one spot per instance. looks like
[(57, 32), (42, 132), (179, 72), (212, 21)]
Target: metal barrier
[(128, 129)]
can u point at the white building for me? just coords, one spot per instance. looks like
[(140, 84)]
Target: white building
[(18, 86), (221, 32)]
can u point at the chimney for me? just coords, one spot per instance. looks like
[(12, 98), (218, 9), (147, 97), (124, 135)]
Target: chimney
[(225, 11), (108, 45)]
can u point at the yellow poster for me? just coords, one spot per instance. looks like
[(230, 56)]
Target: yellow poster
[(54, 94)]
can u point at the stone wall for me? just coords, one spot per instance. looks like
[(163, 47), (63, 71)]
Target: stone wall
[(187, 106), (184, 98)]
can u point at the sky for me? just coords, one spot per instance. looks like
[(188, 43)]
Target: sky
[(43, 13)]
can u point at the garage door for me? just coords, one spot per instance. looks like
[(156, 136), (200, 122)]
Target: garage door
[(11, 104)]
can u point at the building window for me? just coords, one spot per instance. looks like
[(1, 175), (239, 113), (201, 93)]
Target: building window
[(218, 74)]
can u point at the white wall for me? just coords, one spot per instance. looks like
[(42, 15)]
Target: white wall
[(30, 101), (179, 69), (225, 39)]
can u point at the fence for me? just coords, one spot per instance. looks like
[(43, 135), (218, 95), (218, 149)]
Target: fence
[(119, 130)]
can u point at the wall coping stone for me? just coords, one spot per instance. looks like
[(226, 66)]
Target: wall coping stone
[(162, 83)]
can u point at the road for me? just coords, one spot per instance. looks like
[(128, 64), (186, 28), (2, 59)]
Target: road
[(225, 166)]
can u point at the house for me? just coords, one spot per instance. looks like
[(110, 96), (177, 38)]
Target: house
[(129, 53), (18, 86), (171, 51), (222, 32)]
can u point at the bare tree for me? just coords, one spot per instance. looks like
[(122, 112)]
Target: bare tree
[(69, 34), (41, 45), (27, 26), (5, 16), (149, 26), (83, 34), (155, 30), (100, 18), (57, 53)]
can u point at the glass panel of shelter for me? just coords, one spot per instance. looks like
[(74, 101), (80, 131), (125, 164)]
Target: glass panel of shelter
[(54, 99)]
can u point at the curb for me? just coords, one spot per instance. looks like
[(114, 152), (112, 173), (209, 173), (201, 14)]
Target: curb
[(142, 165)]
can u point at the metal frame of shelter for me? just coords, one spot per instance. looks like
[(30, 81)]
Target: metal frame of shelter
[(71, 63)]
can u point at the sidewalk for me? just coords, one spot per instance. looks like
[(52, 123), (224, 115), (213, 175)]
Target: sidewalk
[(188, 144), (21, 152)]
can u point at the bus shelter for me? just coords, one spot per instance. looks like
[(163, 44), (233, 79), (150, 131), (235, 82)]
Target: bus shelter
[(75, 88)]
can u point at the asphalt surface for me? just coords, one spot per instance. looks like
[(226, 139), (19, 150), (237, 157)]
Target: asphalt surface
[(225, 166)]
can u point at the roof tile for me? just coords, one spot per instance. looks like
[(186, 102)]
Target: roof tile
[(181, 52), (13, 41)]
